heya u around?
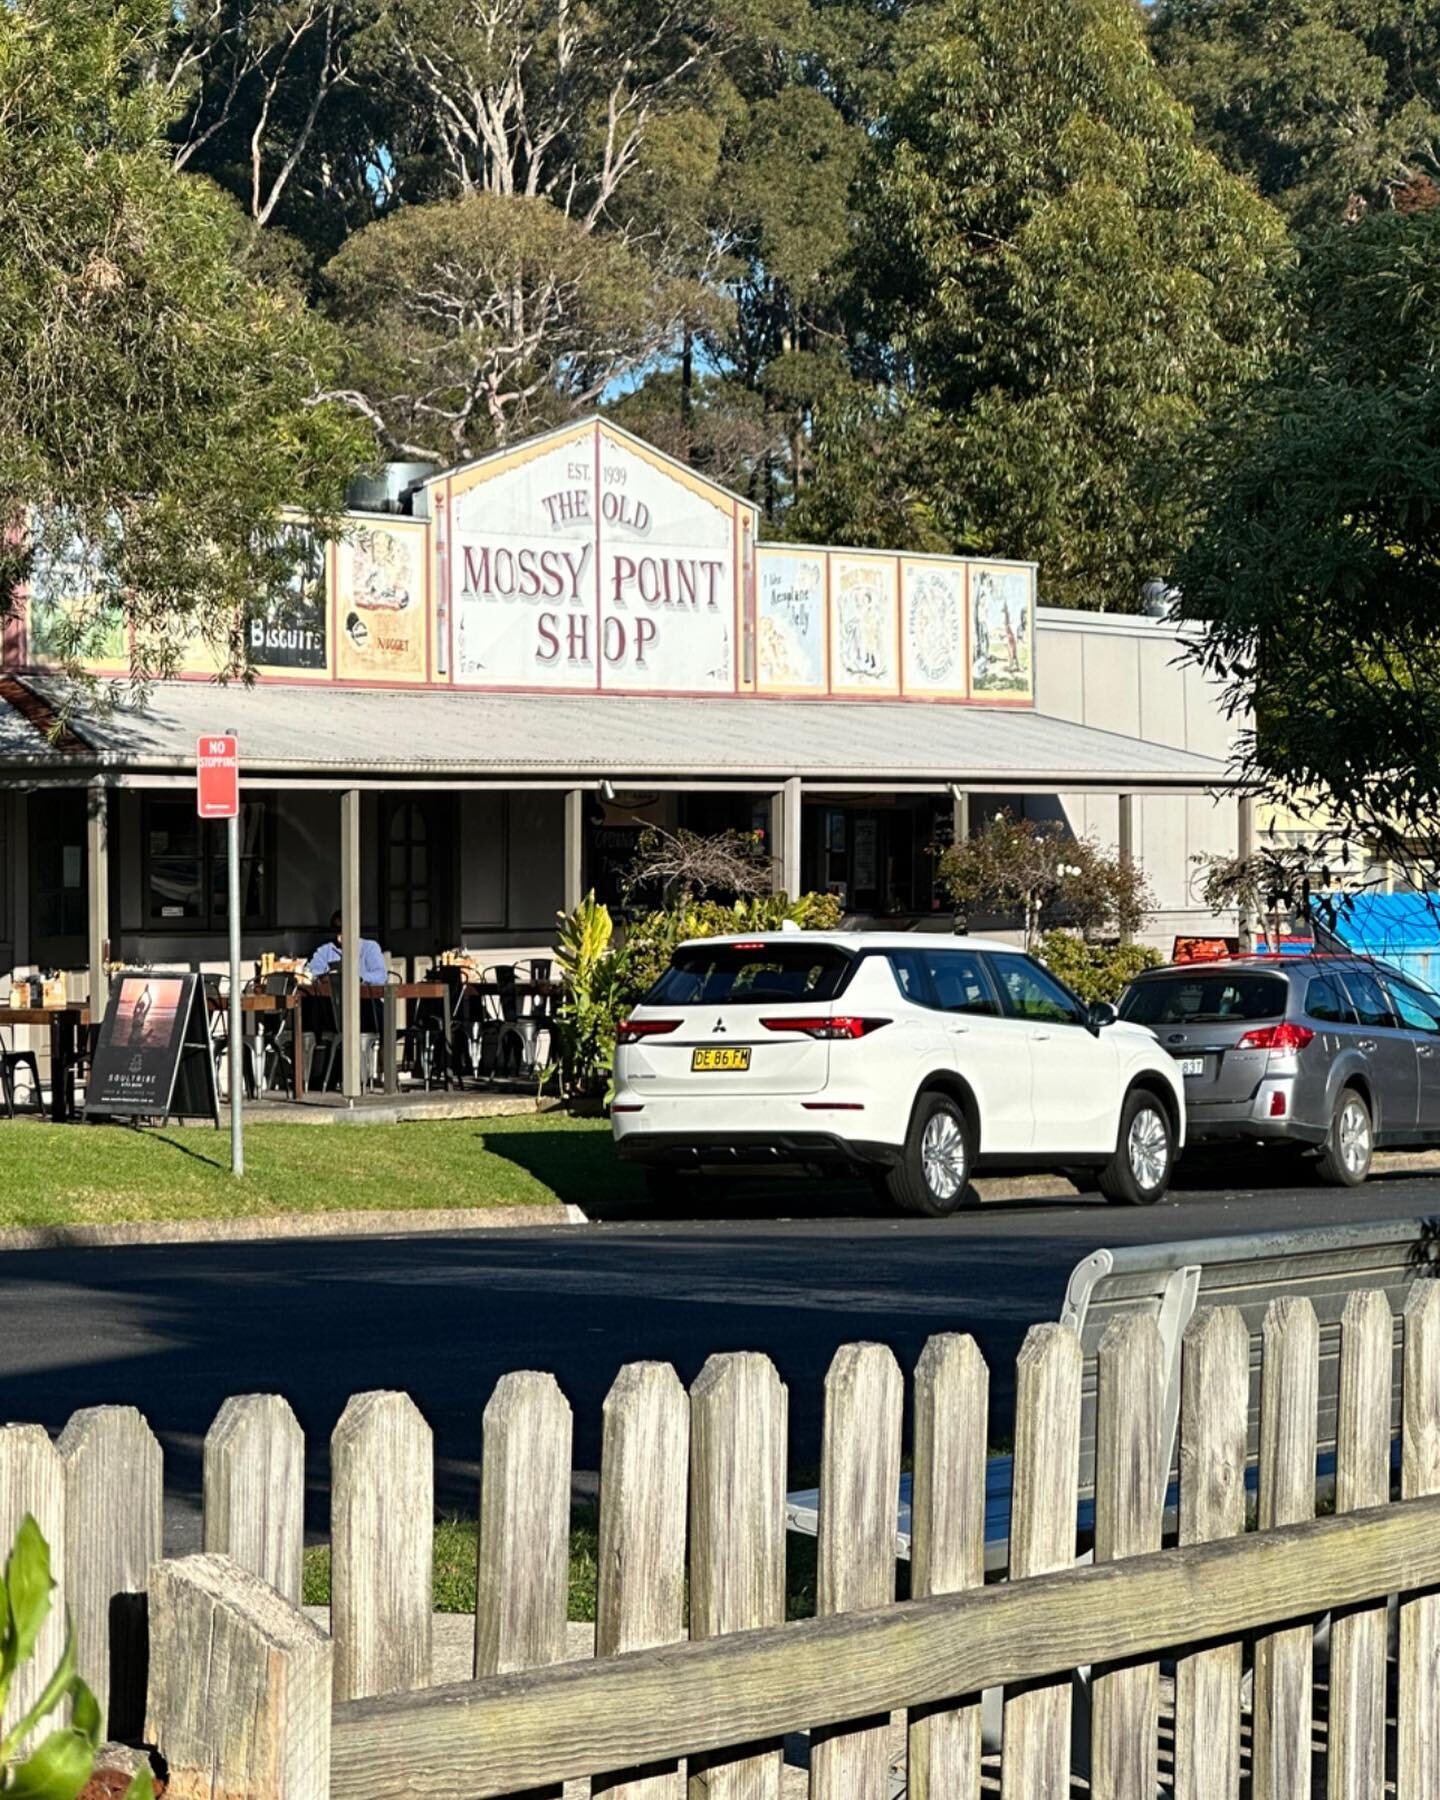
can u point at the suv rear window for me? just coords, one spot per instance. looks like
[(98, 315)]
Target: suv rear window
[(1210, 999), (741, 975)]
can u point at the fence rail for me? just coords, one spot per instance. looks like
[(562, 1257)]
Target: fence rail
[(696, 1678)]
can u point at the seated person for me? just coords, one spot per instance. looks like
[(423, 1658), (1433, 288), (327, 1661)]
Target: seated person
[(330, 953)]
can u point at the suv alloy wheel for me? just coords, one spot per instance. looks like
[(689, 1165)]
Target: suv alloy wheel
[(1139, 1172), (933, 1174), (1345, 1155)]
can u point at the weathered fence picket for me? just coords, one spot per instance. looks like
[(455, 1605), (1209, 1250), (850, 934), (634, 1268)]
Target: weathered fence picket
[(1129, 1506), (255, 1489), (382, 1546), (859, 1478), (523, 1566), (947, 1545), (1356, 1761), (738, 1435), (1215, 1386), (640, 1588), (240, 1686), (1417, 1759), (114, 1531), (1036, 1763), (1281, 1732), (32, 1480)]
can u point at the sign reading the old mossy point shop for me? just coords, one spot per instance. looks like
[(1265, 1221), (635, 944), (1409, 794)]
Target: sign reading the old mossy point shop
[(588, 562)]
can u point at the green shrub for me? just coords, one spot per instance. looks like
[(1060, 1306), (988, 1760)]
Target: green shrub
[(60, 1766), (603, 980), (1095, 971)]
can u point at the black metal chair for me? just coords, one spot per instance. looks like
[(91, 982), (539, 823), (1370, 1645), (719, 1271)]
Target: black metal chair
[(330, 1039), (218, 1016), (524, 1043), (281, 1036), (10, 1061), (428, 1057)]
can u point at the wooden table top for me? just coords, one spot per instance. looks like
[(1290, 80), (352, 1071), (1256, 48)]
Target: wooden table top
[(402, 990), (43, 1015)]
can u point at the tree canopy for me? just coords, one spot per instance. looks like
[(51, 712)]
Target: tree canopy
[(1332, 107), (1063, 282), (155, 382), (1314, 571)]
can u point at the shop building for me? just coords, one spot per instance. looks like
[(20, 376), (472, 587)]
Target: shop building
[(471, 702)]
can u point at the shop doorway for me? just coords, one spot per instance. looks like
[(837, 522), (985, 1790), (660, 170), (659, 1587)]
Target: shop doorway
[(876, 854)]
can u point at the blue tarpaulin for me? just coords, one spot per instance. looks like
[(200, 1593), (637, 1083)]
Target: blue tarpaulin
[(1400, 929)]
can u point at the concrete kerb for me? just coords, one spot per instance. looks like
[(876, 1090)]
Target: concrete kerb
[(447, 1221), (281, 1226)]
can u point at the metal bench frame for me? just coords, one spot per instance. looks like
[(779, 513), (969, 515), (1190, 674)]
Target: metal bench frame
[(1172, 1282)]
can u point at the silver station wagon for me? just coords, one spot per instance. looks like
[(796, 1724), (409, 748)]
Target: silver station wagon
[(1335, 1054)]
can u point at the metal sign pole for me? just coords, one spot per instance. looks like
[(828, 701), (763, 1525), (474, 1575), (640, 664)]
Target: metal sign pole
[(237, 1042)]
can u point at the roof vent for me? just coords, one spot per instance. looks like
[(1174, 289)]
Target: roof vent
[(389, 489)]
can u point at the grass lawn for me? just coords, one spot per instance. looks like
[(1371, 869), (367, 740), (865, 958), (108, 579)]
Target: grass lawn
[(455, 1568), (103, 1174)]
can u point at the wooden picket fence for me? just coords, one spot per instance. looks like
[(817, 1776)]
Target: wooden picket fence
[(696, 1677)]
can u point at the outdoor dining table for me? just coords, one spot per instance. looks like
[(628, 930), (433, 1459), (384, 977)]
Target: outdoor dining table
[(63, 1022)]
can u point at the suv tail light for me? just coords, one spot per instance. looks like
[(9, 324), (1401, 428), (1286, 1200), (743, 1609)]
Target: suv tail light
[(844, 1027), (1277, 1037), (629, 1030)]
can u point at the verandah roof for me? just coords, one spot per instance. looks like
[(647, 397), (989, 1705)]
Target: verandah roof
[(330, 733)]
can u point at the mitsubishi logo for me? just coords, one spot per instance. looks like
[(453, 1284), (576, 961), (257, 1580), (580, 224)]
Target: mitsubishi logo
[(719, 1025)]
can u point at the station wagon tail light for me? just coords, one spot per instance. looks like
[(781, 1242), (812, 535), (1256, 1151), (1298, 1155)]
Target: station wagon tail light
[(1277, 1037), (844, 1027), (629, 1031)]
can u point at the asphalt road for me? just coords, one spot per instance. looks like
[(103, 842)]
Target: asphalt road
[(174, 1330)]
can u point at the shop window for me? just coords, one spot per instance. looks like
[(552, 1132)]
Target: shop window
[(58, 888), (408, 869), (186, 866)]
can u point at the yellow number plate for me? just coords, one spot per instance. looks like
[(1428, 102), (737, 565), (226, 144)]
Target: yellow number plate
[(728, 1056)]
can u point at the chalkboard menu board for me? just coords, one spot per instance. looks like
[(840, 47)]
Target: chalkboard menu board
[(153, 1057)]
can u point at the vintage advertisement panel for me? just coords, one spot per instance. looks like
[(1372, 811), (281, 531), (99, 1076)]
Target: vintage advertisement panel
[(588, 563), (380, 593), (63, 620), (864, 625), (1002, 625), (790, 622), (932, 604), (291, 636)]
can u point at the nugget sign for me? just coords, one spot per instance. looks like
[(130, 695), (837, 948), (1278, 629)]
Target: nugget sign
[(217, 778)]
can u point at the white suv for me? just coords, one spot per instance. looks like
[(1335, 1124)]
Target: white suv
[(918, 1059)]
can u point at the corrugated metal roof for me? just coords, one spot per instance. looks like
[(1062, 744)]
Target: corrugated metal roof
[(320, 731), (22, 739)]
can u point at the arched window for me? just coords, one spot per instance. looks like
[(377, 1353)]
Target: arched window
[(407, 869)]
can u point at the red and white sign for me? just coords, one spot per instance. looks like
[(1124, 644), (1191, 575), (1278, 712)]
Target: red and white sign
[(217, 777)]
